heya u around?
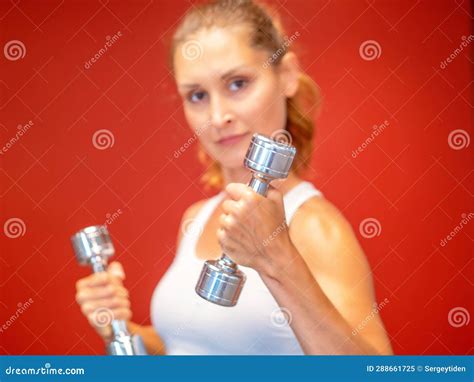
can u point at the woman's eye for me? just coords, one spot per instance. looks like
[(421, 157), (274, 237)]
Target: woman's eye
[(195, 97), (237, 84)]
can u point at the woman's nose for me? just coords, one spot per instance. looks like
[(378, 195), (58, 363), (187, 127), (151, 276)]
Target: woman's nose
[(220, 114)]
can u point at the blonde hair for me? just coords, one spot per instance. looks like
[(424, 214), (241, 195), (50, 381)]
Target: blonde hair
[(266, 33)]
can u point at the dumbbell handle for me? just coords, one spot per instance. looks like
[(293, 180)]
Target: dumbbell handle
[(119, 327), (260, 185)]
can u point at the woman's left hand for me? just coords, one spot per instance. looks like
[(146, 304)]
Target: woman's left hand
[(253, 230)]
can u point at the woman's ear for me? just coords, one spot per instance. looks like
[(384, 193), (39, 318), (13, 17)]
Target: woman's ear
[(289, 74)]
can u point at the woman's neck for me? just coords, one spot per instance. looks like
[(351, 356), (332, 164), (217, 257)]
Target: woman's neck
[(243, 175)]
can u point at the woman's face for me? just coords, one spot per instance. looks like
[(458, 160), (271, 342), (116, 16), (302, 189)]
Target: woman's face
[(228, 93)]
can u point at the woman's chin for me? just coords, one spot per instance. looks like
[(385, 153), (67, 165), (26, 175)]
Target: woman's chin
[(232, 157), (232, 164)]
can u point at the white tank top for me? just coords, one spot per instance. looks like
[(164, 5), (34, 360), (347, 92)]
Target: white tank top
[(190, 325)]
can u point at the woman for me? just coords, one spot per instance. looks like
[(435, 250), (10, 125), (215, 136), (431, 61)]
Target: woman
[(309, 286)]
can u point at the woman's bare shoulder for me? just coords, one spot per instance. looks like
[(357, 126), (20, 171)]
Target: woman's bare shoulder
[(324, 236), (320, 217), (330, 248)]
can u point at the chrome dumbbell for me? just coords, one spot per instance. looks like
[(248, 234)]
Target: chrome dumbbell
[(221, 281), (93, 247)]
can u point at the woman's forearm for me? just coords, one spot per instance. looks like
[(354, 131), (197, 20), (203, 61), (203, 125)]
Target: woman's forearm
[(152, 341), (317, 324)]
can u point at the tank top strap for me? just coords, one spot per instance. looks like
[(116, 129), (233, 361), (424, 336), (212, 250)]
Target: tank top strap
[(292, 200), (208, 208), (298, 195), (194, 227)]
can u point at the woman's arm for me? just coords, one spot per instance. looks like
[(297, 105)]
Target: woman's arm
[(152, 341), (316, 270), (328, 286)]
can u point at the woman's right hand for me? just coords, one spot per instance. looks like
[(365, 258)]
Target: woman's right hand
[(103, 298)]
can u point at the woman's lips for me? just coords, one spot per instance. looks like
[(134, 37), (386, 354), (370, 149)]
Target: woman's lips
[(231, 139)]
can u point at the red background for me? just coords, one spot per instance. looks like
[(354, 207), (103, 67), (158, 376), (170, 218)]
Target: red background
[(57, 182)]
